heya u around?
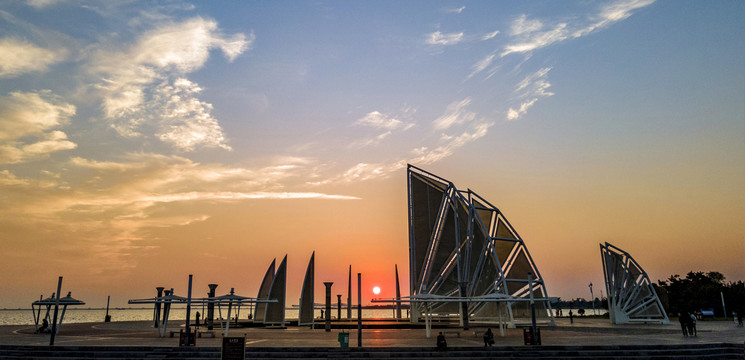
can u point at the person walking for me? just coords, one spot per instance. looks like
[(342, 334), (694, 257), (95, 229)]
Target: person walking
[(683, 324), (692, 324)]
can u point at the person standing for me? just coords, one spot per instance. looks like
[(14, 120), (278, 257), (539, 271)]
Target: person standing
[(571, 316), (692, 324), (683, 324)]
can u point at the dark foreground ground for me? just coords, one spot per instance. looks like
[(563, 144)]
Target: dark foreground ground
[(585, 338)]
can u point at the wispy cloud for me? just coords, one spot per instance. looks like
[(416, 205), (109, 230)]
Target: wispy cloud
[(455, 10), (456, 114), (28, 126), (146, 85), (379, 121), (123, 200), (18, 57), (490, 35), (438, 38), (612, 13), (467, 125), (529, 35), (529, 90), (481, 65)]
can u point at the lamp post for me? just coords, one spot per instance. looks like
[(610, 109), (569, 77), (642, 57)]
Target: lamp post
[(592, 298), (533, 332)]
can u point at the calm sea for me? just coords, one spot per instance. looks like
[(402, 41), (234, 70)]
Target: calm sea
[(26, 317)]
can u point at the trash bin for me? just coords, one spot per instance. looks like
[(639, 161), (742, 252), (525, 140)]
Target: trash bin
[(528, 337), (343, 339)]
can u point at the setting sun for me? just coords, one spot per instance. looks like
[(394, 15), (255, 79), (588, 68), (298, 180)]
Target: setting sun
[(376, 290)]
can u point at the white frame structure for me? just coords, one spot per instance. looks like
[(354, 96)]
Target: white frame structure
[(462, 247), (631, 296)]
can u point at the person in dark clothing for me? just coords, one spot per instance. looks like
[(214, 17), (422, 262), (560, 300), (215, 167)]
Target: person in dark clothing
[(44, 327), (683, 324), (442, 345), (488, 338), (692, 324)]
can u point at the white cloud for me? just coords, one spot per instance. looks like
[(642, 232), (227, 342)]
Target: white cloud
[(529, 90), (186, 122), (514, 114), (28, 123), (146, 85), (522, 25), (378, 120), (481, 65), (18, 57), (473, 128), (43, 3), (455, 114), (528, 35), (612, 13), (490, 35), (539, 40), (438, 38), (455, 10)]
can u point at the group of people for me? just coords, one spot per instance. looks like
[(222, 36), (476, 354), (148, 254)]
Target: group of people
[(688, 324), (442, 344)]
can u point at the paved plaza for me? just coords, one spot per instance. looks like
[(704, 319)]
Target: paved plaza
[(583, 332)]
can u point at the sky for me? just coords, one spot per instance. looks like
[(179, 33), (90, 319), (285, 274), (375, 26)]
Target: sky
[(141, 142)]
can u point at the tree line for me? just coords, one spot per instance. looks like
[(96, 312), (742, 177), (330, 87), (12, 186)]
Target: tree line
[(701, 291)]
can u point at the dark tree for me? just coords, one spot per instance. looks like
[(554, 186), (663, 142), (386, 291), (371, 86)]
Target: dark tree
[(698, 290)]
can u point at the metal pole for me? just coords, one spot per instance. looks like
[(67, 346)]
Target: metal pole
[(338, 307), (724, 308), (56, 308), (532, 309), (592, 298), (187, 337), (328, 305), (349, 295), (464, 305), (398, 296), (211, 307), (359, 309), (157, 305), (107, 318)]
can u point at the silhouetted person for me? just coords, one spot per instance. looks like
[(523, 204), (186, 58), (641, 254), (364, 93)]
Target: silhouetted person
[(197, 322), (692, 324), (488, 338), (442, 345), (571, 316), (44, 327), (683, 323)]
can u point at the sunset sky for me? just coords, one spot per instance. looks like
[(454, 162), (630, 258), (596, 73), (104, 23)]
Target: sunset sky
[(144, 141)]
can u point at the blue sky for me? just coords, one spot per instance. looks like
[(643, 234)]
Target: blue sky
[(127, 126)]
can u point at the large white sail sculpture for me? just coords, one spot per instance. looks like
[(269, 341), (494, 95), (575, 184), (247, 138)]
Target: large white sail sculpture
[(631, 297), (461, 246)]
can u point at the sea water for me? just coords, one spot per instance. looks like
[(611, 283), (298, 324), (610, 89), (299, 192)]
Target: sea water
[(72, 315)]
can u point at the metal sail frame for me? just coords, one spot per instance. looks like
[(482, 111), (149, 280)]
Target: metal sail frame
[(462, 246), (631, 296), (305, 312), (274, 313), (266, 282)]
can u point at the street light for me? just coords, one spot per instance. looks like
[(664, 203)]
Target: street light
[(592, 298)]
